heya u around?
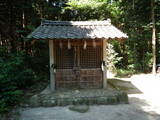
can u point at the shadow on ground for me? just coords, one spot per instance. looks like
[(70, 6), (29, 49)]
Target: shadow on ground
[(133, 111)]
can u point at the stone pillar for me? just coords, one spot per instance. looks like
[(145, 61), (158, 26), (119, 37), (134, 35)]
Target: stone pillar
[(51, 59), (105, 67)]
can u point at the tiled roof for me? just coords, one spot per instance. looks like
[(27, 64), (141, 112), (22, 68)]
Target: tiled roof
[(76, 30)]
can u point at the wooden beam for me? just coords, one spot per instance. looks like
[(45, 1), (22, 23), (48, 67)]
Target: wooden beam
[(69, 44), (78, 56), (85, 45), (77, 43), (94, 43), (52, 74), (105, 67)]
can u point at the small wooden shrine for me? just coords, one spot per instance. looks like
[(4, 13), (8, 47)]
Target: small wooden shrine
[(77, 51)]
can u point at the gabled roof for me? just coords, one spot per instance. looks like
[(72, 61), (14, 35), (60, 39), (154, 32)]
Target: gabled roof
[(76, 30)]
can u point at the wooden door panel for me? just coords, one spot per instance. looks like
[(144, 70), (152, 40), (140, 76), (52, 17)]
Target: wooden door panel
[(89, 78), (78, 67)]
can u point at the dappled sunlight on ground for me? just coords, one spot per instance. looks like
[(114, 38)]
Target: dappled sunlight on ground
[(150, 86), (142, 106), (146, 104)]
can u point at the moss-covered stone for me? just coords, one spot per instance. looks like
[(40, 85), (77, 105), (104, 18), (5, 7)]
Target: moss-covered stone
[(34, 101), (122, 98), (79, 108), (84, 97), (112, 100)]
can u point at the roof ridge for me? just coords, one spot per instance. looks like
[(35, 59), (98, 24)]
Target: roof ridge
[(71, 23)]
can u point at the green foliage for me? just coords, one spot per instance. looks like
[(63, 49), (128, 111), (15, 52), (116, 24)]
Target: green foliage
[(89, 10), (136, 22), (79, 10), (39, 62), (112, 57), (14, 76), (157, 16), (125, 72)]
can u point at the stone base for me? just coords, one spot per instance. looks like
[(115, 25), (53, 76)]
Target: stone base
[(79, 97)]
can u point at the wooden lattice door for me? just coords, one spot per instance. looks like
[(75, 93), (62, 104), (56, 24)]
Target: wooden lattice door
[(78, 67)]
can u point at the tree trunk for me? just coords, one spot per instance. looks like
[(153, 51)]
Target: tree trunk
[(11, 27), (133, 4), (153, 38)]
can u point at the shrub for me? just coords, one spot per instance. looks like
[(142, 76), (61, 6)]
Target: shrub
[(125, 72), (14, 75)]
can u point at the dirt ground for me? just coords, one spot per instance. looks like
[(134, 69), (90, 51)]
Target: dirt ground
[(144, 106)]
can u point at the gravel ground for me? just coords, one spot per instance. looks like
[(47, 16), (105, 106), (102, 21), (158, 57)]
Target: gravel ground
[(144, 106)]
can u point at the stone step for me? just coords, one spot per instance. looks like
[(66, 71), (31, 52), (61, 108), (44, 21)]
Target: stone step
[(83, 97)]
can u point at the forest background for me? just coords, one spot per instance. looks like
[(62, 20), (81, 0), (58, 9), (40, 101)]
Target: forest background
[(24, 63)]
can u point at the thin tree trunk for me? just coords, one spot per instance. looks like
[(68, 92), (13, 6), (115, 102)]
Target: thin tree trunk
[(23, 20), (153, 38), (23, 43), (133, 4), (11, 27)]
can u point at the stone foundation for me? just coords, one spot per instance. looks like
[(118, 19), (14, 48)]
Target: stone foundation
[(79, 97)]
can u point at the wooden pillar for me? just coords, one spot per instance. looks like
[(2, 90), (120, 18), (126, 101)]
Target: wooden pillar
[(105, 67), (51, 58)]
